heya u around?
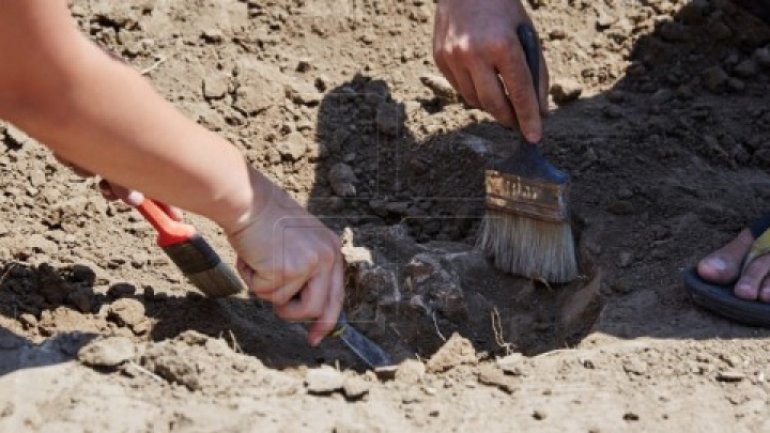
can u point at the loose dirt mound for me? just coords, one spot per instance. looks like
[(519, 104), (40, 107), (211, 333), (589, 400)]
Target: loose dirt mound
[(662, 121)]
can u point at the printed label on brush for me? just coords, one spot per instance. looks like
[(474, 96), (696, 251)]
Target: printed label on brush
[(529, 197)]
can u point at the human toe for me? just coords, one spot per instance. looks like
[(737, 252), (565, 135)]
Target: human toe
[(723, 265), (748, 285)]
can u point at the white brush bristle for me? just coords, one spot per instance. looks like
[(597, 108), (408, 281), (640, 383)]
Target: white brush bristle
[(529, 247)]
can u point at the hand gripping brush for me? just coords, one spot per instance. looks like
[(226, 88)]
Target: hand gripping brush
[(526, 229), (206, 271)]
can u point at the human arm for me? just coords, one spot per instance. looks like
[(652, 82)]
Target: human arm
[(102, 116)]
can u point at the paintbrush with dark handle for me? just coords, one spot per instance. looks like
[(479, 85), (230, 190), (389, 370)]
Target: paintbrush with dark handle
[(526, 229)]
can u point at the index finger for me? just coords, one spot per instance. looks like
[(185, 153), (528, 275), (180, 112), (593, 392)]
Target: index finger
[(328, 320), (520, 88)]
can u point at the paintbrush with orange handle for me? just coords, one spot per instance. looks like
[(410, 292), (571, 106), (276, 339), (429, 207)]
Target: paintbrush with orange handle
[(191, 253)]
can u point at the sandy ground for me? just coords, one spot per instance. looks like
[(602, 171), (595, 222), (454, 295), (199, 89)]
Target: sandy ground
[(664, 126)]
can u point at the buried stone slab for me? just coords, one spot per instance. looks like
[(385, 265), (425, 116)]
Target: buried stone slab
[(424, 293)]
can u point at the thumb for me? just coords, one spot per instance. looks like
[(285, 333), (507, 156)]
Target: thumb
[(111, 191)]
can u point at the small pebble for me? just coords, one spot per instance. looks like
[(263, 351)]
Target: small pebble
[(730, 376), (630, 416), (214, 36)]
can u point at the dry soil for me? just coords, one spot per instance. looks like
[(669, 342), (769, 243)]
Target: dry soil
[(662, 120)]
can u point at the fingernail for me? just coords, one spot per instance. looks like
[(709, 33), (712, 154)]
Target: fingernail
[(533, 137), (134, 198), (718, 263)]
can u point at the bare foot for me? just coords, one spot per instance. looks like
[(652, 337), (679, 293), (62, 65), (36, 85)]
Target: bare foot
[(723, 266)]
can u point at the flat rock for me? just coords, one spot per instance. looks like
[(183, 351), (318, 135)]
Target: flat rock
[(107, 352), (456, 351), (324, 380)]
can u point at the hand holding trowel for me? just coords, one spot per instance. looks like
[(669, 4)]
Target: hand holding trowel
[(206, 271), (190, 252)]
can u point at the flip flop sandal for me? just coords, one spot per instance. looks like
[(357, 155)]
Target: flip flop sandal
[(721, 299)]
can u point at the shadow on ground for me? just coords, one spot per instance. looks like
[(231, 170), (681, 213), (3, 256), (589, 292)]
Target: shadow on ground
[(61, 303)]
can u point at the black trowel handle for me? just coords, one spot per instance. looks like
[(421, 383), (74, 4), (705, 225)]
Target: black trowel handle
[(531, 46)]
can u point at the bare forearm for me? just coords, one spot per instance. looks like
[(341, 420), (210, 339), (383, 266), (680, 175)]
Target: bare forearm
[(107, 119), (116, 125)]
